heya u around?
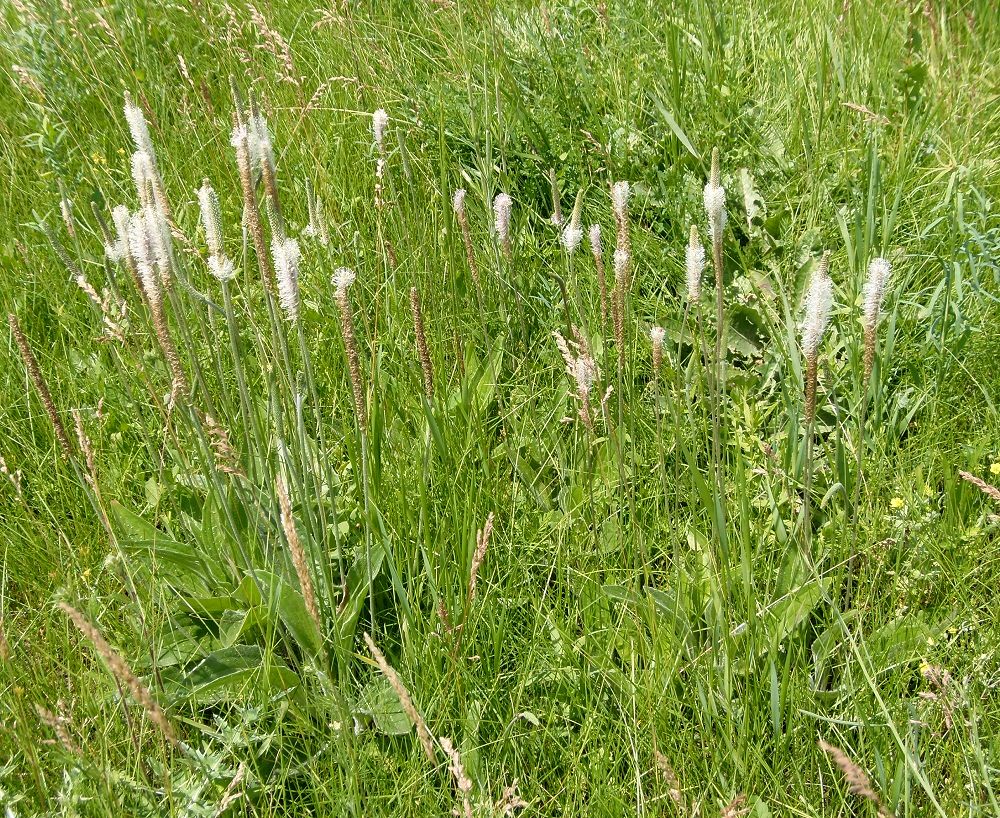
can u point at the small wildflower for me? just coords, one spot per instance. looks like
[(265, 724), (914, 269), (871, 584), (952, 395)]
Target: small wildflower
[(995, 468), (896, 503)]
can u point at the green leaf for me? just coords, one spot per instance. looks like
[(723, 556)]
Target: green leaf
[(672, 123), (291, 608), (358, 588), (133, 527), (791, 612), (236, 673), (380, 701)]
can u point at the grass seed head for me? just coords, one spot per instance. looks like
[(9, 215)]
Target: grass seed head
[(58, 726), (557, 216), (990, 491), (138, 127), (122, 672), (405, 700), (595, 241), (41, 387), (694, 258), (286, 255), (380, 122), (502, 205), (423, 352), (715, 201), (118, 249), (620, 192), (873, 294), (656, 337), (819, 303), (211, 218), (458, 204), (299, 560), (597, 249), (573, 234), (483, 536), (857, 780)]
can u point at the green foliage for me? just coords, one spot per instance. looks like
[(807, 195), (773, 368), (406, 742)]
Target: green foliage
[(640, 640)]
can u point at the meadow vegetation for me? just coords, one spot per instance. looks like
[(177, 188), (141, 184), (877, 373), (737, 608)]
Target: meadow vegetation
[(544, 408)]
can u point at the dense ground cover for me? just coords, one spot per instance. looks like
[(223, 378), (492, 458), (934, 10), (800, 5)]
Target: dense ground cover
[(603, 580)]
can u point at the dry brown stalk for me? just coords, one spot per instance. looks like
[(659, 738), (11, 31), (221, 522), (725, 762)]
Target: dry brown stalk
[(482, 544), (426, 740), (122, 672), (990, 491), (422, 350), (35, 373), (299, 560), (857, 779)]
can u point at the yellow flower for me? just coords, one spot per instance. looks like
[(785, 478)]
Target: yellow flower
[(995, 467), (896, 503)]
